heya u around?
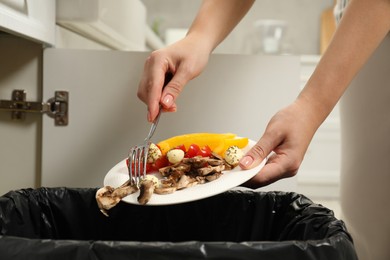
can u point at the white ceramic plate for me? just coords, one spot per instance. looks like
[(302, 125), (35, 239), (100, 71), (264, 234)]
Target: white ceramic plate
[(230, 179)]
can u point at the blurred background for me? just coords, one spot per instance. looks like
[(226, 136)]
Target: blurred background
[(300, 20)]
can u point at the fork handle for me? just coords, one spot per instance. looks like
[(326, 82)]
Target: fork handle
[(154, 124), (168, 77)]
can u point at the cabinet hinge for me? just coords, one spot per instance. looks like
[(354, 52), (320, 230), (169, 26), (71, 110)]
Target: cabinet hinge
[(56, 107)]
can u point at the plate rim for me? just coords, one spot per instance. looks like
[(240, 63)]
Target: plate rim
[(181, 197)]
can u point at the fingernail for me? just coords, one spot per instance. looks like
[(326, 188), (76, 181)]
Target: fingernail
[(246, 161), (168, 99)]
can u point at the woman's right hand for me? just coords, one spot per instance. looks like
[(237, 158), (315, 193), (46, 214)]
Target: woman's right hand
[(184, 59), (285, 142)]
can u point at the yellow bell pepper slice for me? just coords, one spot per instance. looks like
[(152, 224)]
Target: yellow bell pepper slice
[(217, 142), (241, 142)]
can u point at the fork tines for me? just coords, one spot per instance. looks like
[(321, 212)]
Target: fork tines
[(138, 157)]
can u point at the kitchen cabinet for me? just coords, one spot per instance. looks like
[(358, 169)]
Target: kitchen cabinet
[(30, 19), (26, 26), (119, 25), (26, 29), (20, 141)]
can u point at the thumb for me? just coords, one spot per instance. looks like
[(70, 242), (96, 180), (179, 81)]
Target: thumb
[(257, 153)]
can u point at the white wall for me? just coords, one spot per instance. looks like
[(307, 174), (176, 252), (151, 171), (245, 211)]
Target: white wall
[(303, 17)]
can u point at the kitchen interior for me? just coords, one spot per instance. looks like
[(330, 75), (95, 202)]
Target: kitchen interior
[(36, 150)]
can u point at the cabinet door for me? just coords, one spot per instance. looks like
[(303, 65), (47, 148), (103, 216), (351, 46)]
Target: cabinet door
[(20, 142), (29, 18), (234, 94)]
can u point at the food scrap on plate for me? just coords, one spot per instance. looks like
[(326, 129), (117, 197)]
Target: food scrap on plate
[(180, 162)]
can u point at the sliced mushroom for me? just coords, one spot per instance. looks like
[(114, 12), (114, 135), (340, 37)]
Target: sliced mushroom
[(196, 162), (200, 179), (210, 169), (167, 183), (185, 182), (108, 197), (124, 191), (215, 162), (191, 184), (164, 190), (182, 167), (214, 176), (216, 156), (228, 167), (104, 199), (146, 191)]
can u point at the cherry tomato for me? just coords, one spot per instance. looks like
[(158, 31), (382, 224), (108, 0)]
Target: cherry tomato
[(149, 167), (193, 151), (181, 147), (205, 151), (161, 162)]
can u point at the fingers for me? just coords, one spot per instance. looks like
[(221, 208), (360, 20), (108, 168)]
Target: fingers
[(152, 82), (259, 152), (278, 166), (282, 145), (163, 80), (174, 86)]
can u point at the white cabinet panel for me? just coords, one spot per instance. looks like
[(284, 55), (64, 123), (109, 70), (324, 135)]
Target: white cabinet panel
[(67, 39), (20, 141), (119, 24), (106, 118), (29, 18)]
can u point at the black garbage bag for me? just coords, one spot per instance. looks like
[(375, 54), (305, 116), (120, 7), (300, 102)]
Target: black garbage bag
[(65, 223)]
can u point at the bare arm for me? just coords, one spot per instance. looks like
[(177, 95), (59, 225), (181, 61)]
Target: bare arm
[(362, 28), (216, 19)]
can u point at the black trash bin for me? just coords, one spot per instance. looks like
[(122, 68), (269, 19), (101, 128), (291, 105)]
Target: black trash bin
[(65, 223)]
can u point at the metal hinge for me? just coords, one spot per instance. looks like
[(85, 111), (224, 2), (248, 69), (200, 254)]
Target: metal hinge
[(56, 107)]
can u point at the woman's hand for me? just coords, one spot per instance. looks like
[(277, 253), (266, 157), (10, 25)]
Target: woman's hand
[(286, 140), (187, 58), (184, 59)]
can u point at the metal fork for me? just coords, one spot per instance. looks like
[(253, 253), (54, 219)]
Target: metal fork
[(138, 156)]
